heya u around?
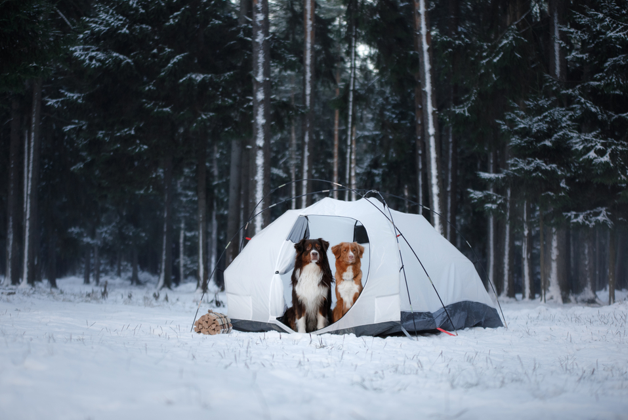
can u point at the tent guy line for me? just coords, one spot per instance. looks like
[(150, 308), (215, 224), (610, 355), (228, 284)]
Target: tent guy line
[(396, 229), (475, 255)]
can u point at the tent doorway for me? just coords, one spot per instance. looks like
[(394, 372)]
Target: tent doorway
[(333, 229)]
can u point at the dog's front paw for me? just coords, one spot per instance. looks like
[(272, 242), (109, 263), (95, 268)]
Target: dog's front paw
[(321, 322), (301, 325)]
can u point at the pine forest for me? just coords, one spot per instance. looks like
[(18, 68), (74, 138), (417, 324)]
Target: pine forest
[(159, 136)]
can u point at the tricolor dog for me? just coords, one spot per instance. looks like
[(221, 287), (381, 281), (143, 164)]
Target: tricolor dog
[(311, 287), (348, 276)]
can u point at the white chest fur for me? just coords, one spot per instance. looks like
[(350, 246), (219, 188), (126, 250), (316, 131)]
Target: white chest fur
[(310, 293), (347, 287)]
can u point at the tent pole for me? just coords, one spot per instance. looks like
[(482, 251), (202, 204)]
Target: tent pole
[(396, 229), (475, 255)]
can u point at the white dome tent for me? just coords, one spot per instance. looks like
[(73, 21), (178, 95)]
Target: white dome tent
[(397, 292)]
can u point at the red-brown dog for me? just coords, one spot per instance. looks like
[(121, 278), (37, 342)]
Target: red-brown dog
[(348, 276)]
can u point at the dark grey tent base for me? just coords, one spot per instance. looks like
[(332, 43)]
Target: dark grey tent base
[(464, 315)]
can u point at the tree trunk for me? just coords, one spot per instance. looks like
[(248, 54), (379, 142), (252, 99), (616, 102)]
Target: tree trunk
[(293, 155), (87, 269), (542, 254), (119, 263), (308, 102), (52, 258), (134, 271), (201, 194), (491, 232), (557, 60), (430, 128), (452, 143), (233, 217), (182, 252), (611, 267), (245, 200), (418, 113), (213, 245), (336, 136), (261, 109), (31, 248), (508, 288), (526, 261), (12, 273), (350, 107), (165, 275), (353, 164), (621, 272), (556, 267), (97, 259)]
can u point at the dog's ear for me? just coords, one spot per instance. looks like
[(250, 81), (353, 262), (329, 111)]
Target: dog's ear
[(361, 250), (324, 244), (299, 246), (336, 250)]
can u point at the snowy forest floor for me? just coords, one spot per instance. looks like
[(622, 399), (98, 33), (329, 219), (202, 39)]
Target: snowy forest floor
[(70, 354)]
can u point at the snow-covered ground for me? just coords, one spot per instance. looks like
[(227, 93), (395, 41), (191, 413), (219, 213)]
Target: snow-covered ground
[(69, 354)]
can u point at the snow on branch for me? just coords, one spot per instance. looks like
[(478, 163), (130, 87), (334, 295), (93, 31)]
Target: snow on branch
[(589, 218), (489, 201)]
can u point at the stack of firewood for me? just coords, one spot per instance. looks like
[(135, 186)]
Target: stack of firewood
[(213, 323)]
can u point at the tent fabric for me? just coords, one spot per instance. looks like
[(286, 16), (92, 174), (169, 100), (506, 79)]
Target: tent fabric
[(258, 287)]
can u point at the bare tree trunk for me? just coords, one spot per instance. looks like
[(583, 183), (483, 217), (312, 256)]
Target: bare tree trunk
[(429, 116), (293, 155), (97, 261), (350, 108), (508, 288), (587, 294), (526, 261), (31, 248), (182, 251), (213, 246), (201, 214), (452, 143), (556, 267), (542, 254), (245, 200), (165, 275), (418, 113), (233, 217), (87, 268), (621, 272), (12, 272), (353, 164), (261, 108), (406, 198), (134, 271), (491, 231), (52, 258), (611, 267), (308, 102), (336, 136), (557, 61), (119, 264)]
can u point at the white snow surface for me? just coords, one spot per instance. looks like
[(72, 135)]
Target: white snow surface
[(70, 354)]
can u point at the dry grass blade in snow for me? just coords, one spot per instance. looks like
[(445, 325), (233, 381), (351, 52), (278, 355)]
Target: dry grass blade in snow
[(73, 355)]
